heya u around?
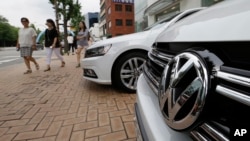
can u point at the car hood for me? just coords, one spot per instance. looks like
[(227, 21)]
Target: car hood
[(225, 21), (123, 38)]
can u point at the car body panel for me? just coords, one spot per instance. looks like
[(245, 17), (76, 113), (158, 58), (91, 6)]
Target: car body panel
[(221, 24), (153, 122)]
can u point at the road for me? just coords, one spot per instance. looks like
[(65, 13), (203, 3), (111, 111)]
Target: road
[(9, 56)]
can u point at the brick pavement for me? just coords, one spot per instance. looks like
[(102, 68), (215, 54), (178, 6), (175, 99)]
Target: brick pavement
[(61, 106)]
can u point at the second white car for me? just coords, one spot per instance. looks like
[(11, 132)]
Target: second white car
[(119, 60)]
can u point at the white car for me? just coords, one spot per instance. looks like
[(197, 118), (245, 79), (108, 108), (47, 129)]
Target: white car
[(119, 61), (196, 83)]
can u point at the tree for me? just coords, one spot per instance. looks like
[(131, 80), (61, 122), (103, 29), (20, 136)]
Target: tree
[(77, 16), (3, 19), (66, 8), (8, 33)]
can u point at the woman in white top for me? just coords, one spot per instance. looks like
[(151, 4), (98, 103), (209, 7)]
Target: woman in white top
[(26, 42)]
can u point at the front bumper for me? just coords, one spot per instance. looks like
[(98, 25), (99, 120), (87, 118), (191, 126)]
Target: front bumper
[(149, 118), (101, 67)]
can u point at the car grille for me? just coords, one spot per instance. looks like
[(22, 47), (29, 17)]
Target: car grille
[(230, 92), (232, 87), (158, 58)]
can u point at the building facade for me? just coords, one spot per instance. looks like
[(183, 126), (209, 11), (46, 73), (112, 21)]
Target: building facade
[(149, 12), (91, 18), (116, 17)]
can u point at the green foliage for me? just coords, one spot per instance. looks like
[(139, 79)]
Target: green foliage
[(70, 10), (8, 33)]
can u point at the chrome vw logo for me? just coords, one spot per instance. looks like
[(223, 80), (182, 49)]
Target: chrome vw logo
[(183, 90)]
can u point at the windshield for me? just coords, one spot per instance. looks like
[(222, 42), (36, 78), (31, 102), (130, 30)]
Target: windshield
[(161, 23)]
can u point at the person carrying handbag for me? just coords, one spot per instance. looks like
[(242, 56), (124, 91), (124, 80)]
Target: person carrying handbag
[(26, 42)]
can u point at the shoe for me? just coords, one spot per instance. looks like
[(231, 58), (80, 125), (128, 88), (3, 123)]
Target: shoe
[(48, 69), (63, 64), (37, 66), (28, 72), (77, 66)]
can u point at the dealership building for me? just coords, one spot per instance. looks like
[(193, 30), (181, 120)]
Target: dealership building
[(148, 12)]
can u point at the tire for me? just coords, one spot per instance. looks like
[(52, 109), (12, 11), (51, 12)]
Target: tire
[(127, 70)]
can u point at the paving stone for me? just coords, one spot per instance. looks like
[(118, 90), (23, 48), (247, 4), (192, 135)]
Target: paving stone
[(92, 115), (24, 128), (31, 113), (7, 137), (119, 113), (128, 118), (74, 121), (37, 118), (77, 136), (15, 123), (98, 131), (64, 117), (3, 131), (115, 136), (85, 125), (130, 129), (54, 128), (92, 139), (65, 133), (104, 119), (45, 123), (116, 124), (30, 135), (53, 138)]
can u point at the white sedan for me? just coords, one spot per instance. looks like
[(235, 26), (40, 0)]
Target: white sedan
[(119, 60)]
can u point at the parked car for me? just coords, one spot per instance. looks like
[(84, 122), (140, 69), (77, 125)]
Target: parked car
[(39, 46), (119, 61), (196, 82)]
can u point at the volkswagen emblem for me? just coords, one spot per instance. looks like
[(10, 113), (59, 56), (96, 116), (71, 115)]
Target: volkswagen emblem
[(183, 90)]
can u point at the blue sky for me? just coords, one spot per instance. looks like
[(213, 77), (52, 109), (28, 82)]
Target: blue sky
[(37, 10)]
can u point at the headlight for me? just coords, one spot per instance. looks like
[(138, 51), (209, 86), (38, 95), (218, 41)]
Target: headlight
[(98, 51)]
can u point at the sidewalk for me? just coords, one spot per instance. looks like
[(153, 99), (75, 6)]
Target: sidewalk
[(61, 106)]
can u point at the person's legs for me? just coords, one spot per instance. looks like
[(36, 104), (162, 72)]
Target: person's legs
[(27, 63), (78, 55), (59, 56), (48, 57), (34, 61)]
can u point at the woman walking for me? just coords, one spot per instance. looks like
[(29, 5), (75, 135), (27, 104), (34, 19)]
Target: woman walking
[(52, 43), (26, 42), (82, 41)]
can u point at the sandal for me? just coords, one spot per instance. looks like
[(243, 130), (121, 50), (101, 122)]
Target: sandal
[(28, 72), (48, 69), (63, 64), (77, 66), (37, 66)]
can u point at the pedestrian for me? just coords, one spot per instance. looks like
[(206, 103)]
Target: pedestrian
[(82, 41), (70, 39), (52, 43), (26, 42)]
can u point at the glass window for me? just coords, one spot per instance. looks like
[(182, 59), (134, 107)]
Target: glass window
[(109, 10), (209, 2), (118, 7), (129, 22), (110, 24), (128, 8), (118, 22)]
